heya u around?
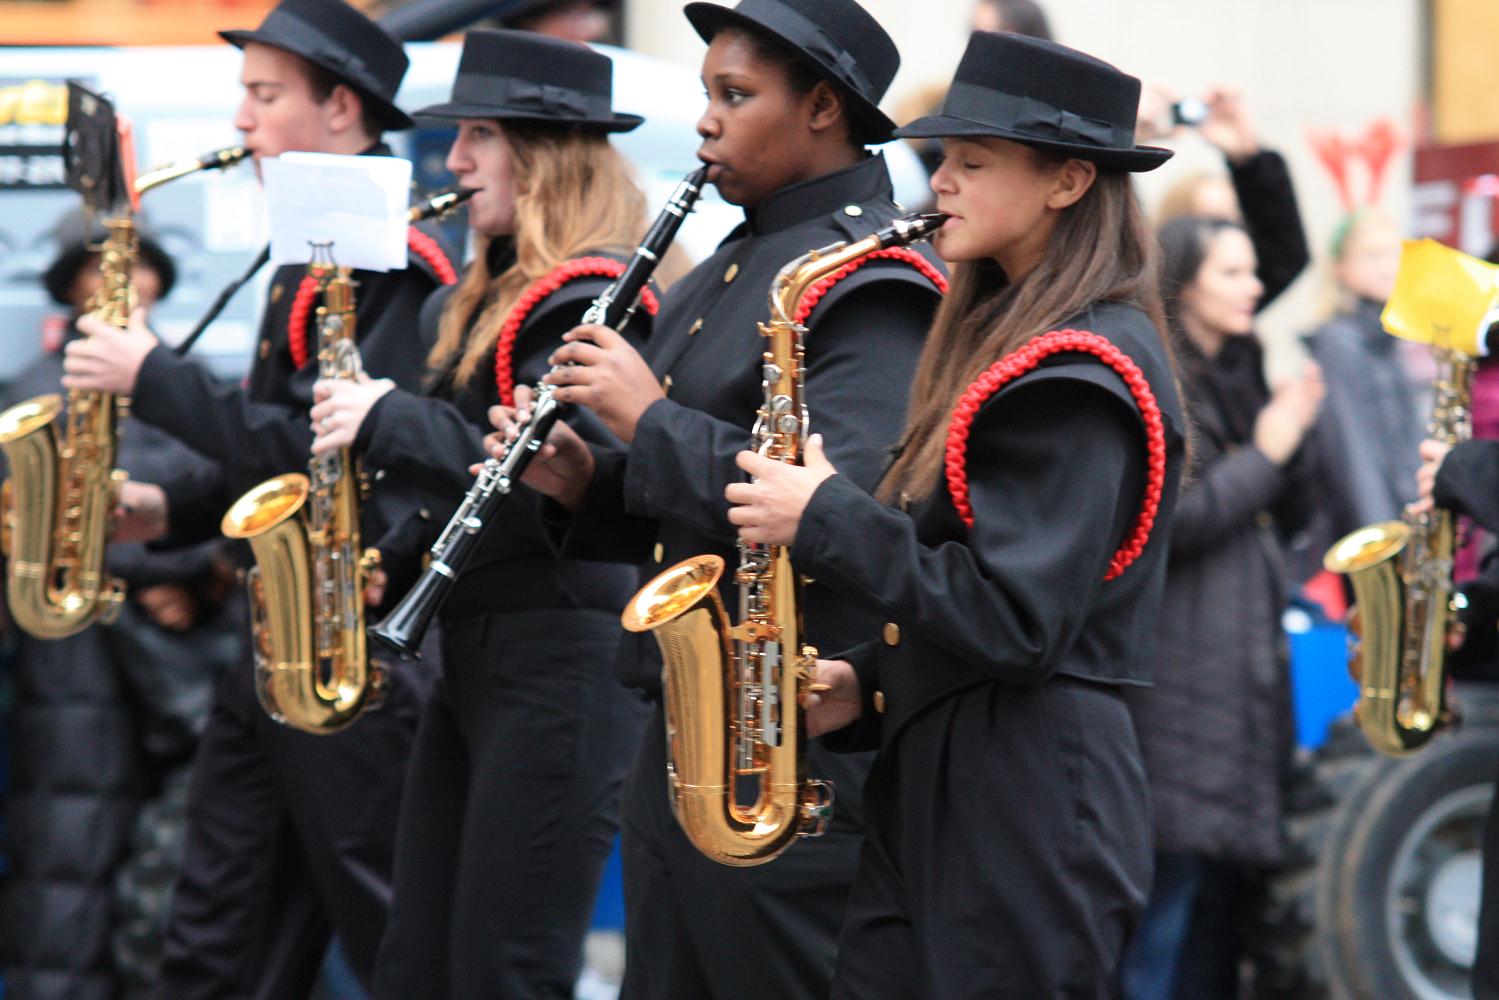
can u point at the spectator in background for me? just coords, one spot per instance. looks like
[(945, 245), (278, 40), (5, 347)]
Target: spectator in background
[(105, 721), (574, 20), (1217, 728), (1257, 191), (1023, 17), (1369, 429)]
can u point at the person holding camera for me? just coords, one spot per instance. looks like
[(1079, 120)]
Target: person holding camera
[(1257, 191)]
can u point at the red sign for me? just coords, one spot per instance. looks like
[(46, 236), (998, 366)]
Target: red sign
[(1456, 196)]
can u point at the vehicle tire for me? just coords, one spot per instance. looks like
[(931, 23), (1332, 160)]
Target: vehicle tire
[(1379, 898)]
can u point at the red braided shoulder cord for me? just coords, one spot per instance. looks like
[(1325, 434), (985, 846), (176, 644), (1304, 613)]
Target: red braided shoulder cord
[(1018, 363), (417, 242), (581, 267), (817, 291)]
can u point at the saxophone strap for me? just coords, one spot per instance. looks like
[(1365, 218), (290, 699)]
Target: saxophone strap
[(417, 242), (1026, 360), (534, 295), (815, 294)]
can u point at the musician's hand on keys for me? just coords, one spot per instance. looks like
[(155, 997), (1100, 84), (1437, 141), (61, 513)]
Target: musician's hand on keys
[(1432, 453), (340, 410), (563, 466), (374, 587), (769, 510), (108, 359), (606, 374), (140, 513), (839, 704)]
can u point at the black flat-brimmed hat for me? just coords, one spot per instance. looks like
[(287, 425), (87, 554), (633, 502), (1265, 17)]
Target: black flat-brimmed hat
[(1042, 94), (509, 75), (840, 40), (79, 238), (336, 37)]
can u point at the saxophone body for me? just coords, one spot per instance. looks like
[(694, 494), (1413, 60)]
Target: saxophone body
[(1405, 604), (55, 509), (312, 671), (733, 692)]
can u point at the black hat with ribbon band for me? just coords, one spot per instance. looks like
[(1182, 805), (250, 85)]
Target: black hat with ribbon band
[(334, 36), (840, 40), (509, 75), (1042, 94)]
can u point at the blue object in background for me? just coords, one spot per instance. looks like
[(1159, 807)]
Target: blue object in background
[(609, 906), (1321, 689)]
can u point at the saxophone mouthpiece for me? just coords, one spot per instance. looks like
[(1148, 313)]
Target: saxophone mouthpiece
[(910, 228), (221, 159), (440, 204)]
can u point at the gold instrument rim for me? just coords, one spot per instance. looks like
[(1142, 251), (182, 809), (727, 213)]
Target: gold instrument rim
[(1366, 546), (672, 591), (25, 417), (282, 495)]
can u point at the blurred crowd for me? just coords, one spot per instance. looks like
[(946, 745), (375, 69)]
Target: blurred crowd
[(101, 726)]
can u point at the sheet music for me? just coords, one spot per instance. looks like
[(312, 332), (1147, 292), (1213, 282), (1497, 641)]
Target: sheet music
[(358, 203)]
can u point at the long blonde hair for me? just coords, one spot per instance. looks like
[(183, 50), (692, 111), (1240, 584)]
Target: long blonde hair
[(574, 194), (1101, 250)]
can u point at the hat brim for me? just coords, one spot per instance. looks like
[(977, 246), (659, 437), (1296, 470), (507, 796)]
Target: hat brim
[(1136, 160), (386, 113), (708, 18), (451, 112)]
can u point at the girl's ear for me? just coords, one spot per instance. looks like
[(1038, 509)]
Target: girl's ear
[(1072, 182), (827, 107)]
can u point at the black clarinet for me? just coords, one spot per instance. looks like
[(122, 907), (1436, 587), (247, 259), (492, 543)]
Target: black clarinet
[(403, 628)]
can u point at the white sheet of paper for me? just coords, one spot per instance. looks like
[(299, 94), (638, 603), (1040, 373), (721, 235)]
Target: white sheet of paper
[(358, 203)]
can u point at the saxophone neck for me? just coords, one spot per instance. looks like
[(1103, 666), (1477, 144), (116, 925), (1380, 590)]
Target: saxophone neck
[(219, 159)]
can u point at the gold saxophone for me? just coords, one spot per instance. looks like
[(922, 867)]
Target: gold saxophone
[(1406, 607), (733, 693), (56, 507), (307, 588)]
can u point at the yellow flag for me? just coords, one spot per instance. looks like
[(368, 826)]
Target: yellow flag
[(1442, 297)]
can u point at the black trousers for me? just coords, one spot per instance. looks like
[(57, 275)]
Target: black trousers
[(699, 930), (1008, 854), (1486, 965), (290, 838), (511, 807)]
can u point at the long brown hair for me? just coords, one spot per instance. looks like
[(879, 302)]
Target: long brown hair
[(574, 194), (1101, 250)]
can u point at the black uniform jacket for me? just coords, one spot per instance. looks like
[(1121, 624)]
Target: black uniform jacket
[(1056, 466), (661, 500), (429, 441), (261, 429)]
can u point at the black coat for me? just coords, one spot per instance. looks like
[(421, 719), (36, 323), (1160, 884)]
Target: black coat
[(1217, 727), (661, 500), (1268, 200), (1020, 597), (429, 441), (1008, 852), (95, 720)]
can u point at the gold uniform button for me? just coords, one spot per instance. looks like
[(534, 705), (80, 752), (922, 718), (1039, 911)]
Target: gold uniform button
[(695, 327), (879, 702), (660, 553), (731, 273), (892, 634), (265, 349), (276, 291), (853, 211), (1264, 520), (666, 385)]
